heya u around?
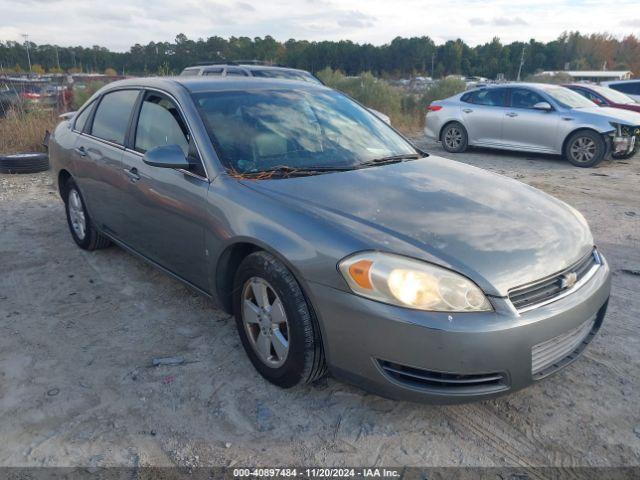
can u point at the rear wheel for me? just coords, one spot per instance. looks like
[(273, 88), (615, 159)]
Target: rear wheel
[(82, 230), (276, 325), (454, 138), (585, 149)]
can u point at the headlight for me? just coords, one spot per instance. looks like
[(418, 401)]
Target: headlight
[(405, 282)]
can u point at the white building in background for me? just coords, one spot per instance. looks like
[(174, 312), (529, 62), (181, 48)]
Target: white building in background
[(595, 76)]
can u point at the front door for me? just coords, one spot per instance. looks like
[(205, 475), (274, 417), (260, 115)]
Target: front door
[(165, 208), (527, 128)]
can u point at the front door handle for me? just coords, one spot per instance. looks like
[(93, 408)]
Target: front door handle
[(132, 173), (81, 151), (467, 110), (512, 114)]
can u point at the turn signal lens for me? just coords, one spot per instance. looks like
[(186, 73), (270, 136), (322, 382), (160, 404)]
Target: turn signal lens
[(359, 272)]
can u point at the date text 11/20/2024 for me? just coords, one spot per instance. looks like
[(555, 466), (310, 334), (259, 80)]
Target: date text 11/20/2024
[(317, 472)]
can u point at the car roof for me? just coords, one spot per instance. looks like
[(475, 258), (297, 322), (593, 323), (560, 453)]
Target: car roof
[(247, 66), (212, 84)]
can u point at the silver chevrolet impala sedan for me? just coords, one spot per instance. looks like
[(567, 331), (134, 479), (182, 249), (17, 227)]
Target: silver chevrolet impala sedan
[(533, 117), (335, 243)]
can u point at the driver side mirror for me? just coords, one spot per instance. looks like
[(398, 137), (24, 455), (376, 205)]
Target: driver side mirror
[(166, 156), (545, 106)]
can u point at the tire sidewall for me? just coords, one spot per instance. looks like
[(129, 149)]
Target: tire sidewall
[(599, 141), (465, 138), (296, 366)]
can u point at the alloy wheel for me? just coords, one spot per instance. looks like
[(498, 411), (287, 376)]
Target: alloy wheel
[(76, 214), (453, 138), (265, 322), (583, 150)]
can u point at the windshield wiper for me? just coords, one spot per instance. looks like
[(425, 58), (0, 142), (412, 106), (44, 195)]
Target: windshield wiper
[(390, 159), (287, 171)]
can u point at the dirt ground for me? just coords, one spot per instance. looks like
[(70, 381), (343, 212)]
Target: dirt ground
[(79, 330)]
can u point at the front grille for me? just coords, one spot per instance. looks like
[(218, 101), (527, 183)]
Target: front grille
[(439, 382), (545, 291), (549, 356)]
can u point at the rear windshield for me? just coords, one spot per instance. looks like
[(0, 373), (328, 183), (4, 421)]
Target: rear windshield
[(260, 130)]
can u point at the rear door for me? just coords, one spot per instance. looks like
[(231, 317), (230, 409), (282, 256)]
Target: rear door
[(528, 128), (482, 113), (165, 208), (98, 155)]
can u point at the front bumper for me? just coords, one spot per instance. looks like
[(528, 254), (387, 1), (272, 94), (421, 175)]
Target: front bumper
[(367, 343)]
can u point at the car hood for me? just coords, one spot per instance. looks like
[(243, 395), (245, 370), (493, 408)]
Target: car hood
[(617, 115), (496, 230)]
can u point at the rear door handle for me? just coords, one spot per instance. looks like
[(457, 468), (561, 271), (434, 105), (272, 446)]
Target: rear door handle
[(467, 110), (81, 151), (512, 114), (132, 174)]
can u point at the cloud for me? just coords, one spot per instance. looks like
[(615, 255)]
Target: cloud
[(245, 6), (355, 19), (498, 22), (631, 23)]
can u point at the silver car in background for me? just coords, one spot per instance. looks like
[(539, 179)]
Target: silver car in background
[(533, 118)]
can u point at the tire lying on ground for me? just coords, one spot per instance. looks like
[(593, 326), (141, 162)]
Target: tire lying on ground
[(24, 163)]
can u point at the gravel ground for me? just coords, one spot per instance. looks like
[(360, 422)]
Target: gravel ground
[(78, 332)]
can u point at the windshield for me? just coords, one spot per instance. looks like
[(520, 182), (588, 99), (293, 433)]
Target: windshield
[(612, 95), (260, 130), (568, 98)]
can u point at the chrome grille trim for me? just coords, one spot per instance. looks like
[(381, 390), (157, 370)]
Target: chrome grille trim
[(595, 264), (554, 351)]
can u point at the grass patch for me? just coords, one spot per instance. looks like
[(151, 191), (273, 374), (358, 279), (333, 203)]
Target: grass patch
[(23, 130)]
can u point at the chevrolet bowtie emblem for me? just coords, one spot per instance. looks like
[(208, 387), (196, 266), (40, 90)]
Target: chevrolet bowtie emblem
[(569, 280)]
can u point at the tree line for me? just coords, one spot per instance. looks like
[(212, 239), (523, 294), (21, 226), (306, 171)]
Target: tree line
[(400, 57)]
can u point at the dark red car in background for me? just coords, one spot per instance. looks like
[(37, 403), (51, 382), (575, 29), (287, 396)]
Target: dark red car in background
[(608, 97), (605, 96)]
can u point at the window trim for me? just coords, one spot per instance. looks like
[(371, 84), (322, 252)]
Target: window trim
[(133, 125)]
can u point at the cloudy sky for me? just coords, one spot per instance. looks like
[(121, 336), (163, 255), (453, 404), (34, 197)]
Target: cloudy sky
[(118, 24)]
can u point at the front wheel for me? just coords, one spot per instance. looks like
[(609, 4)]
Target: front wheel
[(585, 149), (454, 138), (276, 325)]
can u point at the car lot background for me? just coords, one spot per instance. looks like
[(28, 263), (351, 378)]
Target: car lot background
[(79, 331)]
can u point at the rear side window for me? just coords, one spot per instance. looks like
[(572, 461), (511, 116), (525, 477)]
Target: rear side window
[(236, 72), (190, 72), (524, 98), (81, 119), (628, 87), (214, 72), (492, 97), (112, 116)]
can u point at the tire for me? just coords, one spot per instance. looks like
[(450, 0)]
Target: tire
[(454, 138), (87, 237), (24, 163), (286, 316), (585, 149)]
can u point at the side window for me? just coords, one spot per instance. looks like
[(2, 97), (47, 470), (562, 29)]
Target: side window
[(216, 72), (112, 116), (467, 97), (236, 72), (491, 97), (160, 124), (81, 119), (597, 99), (524, 98)]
